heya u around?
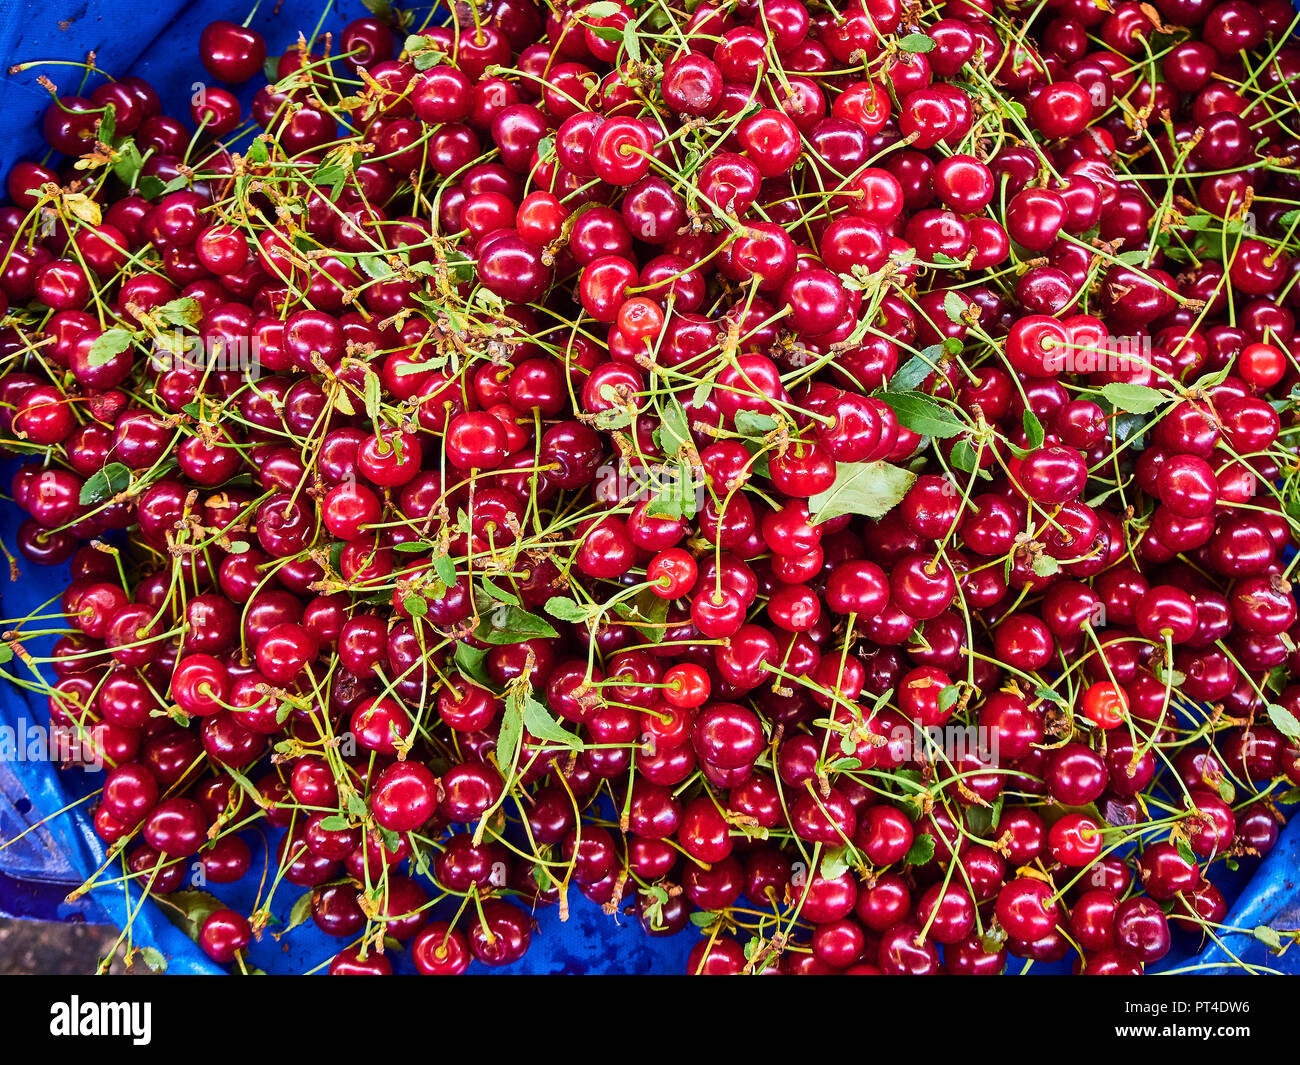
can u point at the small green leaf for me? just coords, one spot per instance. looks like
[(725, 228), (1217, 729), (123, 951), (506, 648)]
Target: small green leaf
[(921, 850), (601, 9), (913, 372), (1046, 566), (948, 697), (153, 959), (1135, 399), (1034, 434), (540, 723), (631, 42), (674, 430), (184, 311), (564, 608), (964, 457), (127, 162), (106, 345), (835, 863), (511, 734), (374, 267), (103, 485), (754, 426), (916, 42), (416, 605), (869, 488), (471, 661), (301, 912), (1268, 937), (150, 187), (953, 305), (500, 623), (445, 568), (1285, 722), (923, 415)]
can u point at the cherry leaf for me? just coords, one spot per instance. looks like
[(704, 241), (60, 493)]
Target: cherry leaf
[(106, 345), (923, 415), (870, 488), (542, 725), (1134, 399), (1285, 722), (103, 485)]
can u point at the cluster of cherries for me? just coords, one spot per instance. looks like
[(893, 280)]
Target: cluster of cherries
[(598, 446)]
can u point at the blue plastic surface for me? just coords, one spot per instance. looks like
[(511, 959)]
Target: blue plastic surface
[(157, 39)]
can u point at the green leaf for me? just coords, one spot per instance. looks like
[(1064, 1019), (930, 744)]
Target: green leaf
[(127, 162), (835, 863), (564, 608), (498, 593), (374, 267), (153, 959), (107, 125), (103, 485), (913, 372), (754, 426), (150, 187), (631, 42), (1268, 937), (184, 311), (1034, 434), (540, 723), (301, 912), (674, 429), (1285, 722), (921, 850), (445, 568), (511, 734), (336, 823), (416, 605), (948, 697), (1227, 792), (916, 42), (953, 305), (1046, 566), (501, 623), (106, 345), (601, 9), (869, 488), (923, 415), (964, 457), (1135, 399), (470, 660)]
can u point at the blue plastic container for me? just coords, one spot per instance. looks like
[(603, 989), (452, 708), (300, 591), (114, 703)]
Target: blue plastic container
[(158, 40)]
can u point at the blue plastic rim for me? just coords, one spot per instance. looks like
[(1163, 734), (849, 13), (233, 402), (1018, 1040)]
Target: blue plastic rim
[(157, 40)]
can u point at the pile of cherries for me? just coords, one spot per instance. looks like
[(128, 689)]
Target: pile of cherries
[(821, 473)]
